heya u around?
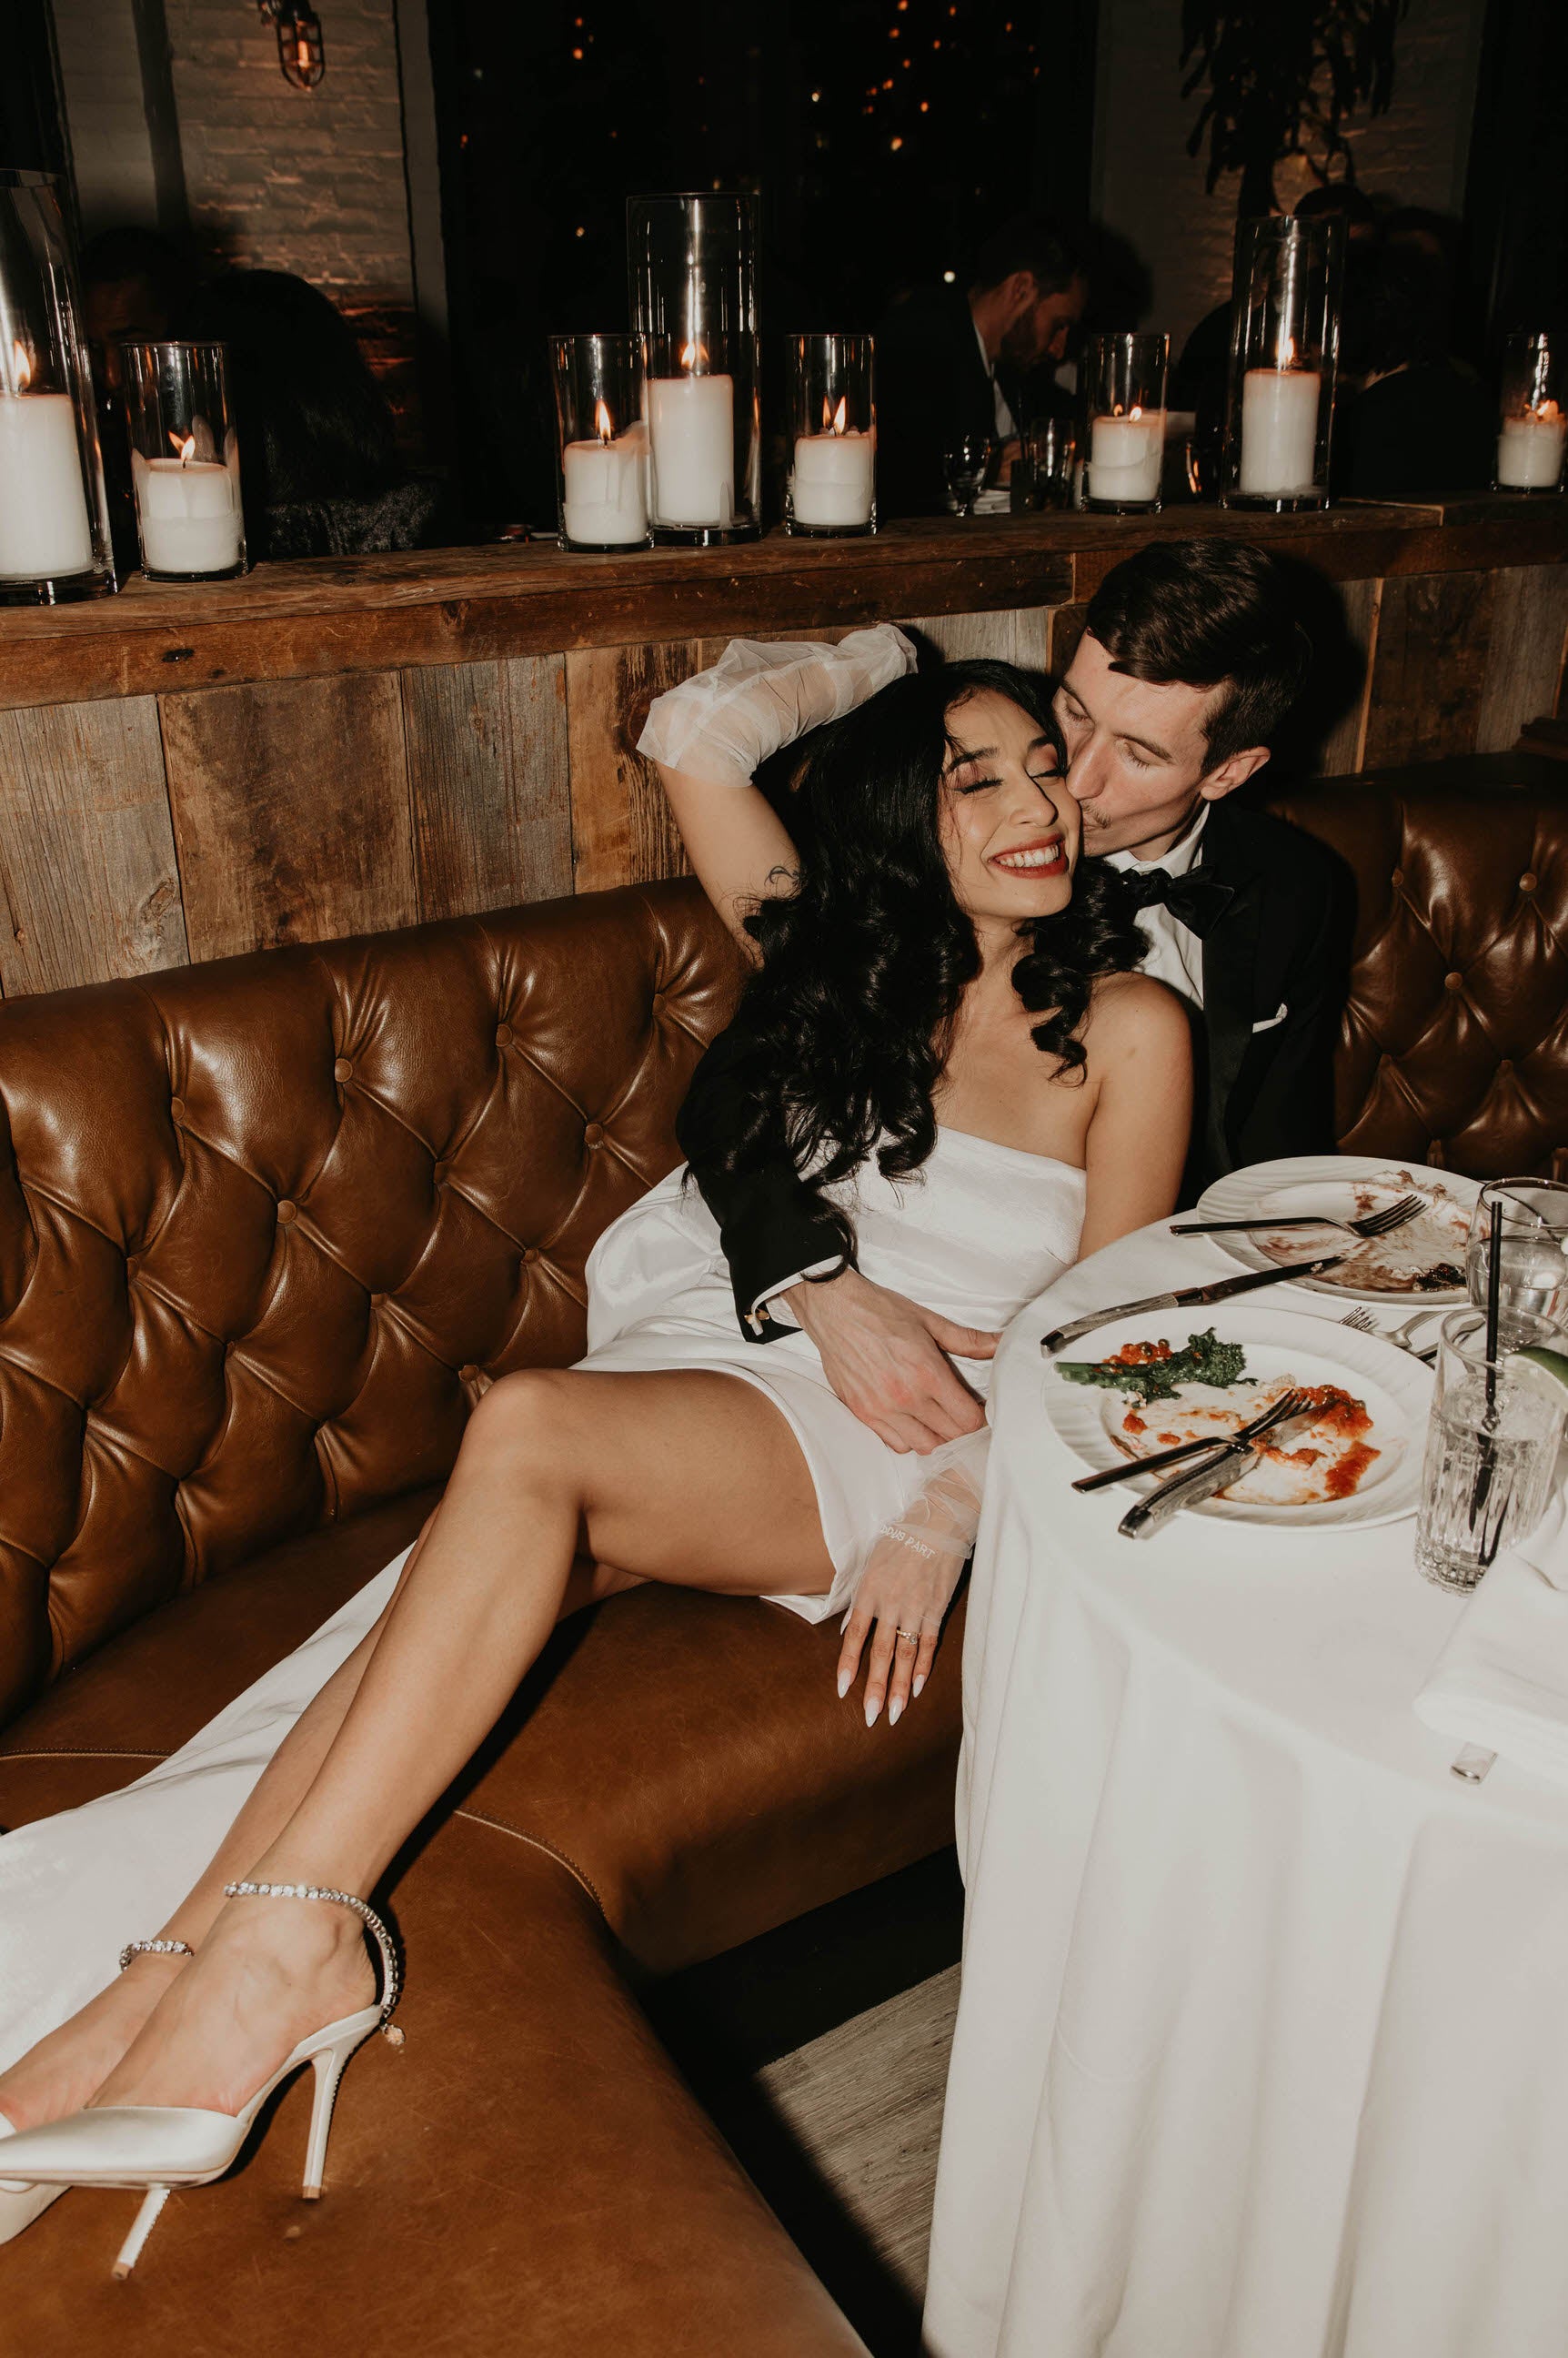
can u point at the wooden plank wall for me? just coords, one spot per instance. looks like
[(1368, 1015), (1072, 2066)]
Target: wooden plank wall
[(141, 832)]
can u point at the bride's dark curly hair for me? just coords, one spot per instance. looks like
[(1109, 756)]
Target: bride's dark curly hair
[(844, 1028)]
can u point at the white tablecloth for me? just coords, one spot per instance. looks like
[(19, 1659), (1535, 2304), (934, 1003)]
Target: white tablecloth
[(1262, 2046)]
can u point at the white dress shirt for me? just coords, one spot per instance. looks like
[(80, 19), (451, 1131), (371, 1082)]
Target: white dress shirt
[(1175, 954), (1005, 428)]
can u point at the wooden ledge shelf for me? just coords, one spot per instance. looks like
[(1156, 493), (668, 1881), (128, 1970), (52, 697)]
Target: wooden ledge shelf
[(328, 615)]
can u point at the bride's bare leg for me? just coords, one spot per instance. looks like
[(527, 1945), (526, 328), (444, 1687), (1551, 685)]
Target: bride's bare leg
[(689, 1477), (63, 2071)]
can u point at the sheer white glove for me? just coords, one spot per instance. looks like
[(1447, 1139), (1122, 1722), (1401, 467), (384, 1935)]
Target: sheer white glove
[(722, 724), (910, 1577)]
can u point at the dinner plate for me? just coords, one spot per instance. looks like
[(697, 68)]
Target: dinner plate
[(1326, 1183), (1396, 1388)]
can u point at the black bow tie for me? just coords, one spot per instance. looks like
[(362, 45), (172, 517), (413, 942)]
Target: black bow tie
[(1195, 900)]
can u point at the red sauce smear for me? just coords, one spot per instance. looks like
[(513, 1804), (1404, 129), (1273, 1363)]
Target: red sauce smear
[(1342, 1480), (1138, 1355)]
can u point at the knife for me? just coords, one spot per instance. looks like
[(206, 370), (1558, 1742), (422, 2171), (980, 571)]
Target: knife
[(1189, 1298), (1190, 1489)]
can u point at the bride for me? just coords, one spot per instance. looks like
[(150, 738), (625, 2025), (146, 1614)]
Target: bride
[(943, 1030)]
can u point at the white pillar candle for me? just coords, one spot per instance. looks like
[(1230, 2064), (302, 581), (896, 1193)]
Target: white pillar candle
[(189, 514), (835, 477), (605, 503), (1530, 450), (44, 529), (691, 422), (1125, 454), (1279, 431)]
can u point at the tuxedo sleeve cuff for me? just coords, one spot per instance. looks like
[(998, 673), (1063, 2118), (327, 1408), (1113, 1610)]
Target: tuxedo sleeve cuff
[(770, 1310)]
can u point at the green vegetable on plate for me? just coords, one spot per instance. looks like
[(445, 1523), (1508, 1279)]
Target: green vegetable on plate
[(1204, 1361)]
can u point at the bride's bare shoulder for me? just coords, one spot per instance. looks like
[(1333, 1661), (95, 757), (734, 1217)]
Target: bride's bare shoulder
[(1133, 1014)]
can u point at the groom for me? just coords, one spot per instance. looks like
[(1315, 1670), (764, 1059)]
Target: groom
[(1192, 658)]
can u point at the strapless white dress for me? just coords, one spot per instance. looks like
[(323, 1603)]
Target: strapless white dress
[(978, 1232)]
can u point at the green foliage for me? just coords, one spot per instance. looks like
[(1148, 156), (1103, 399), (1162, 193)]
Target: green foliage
[(1281, 76)]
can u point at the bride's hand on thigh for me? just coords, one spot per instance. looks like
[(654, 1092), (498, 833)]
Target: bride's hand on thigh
[(904, 1593)]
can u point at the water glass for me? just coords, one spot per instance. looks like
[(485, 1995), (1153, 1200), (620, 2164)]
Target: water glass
[(1491, 1450), (1534, 1262), (1043, 470), (964, 471)]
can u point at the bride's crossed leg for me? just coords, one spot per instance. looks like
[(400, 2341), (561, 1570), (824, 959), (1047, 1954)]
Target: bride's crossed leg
[(689, 1477)]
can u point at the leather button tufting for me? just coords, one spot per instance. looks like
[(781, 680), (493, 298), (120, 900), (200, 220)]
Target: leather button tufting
[(531, 1255), (1396, 878), (439, 1174), (288, 1213), (1528, 882), (133, 1263), (593, 1135), (467, 1373), (503, 1036), (342, 1070), (376, 1300), (658, 1002), (177, 1108), (1505, 1065), (1453, 982)]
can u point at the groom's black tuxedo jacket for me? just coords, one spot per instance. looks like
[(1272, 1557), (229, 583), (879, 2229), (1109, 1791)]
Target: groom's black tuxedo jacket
[(1273, 978)]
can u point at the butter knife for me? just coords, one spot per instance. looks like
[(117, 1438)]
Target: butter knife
[(1187, 1489), (1190, 1297)]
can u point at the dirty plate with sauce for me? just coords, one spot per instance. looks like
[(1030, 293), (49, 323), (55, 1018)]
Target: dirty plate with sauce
[(1353, 1459), (1421, 1262)]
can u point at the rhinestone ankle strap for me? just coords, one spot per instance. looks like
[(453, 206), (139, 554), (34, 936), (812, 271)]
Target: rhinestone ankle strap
[(391, 1972), (154, 1949)]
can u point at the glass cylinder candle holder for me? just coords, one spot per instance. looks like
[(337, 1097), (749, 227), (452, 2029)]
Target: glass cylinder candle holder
[(1533, 428), (1284, 346), (603, 476), (54, 516), (832, 488), (185, 462), (1124, 380), (692, 263)]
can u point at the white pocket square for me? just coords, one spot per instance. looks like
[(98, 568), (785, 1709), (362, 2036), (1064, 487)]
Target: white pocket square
[(1270, 1021)]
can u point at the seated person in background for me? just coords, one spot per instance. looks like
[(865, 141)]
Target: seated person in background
[(947, 359), (1191, 660), (943, 1039), (1412, 420), (319, 468)]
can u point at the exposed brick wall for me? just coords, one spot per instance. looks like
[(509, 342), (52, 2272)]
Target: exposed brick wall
[(290, 179), (1151, 190)]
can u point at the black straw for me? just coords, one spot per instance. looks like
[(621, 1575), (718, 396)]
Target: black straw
[(1494, 1304)]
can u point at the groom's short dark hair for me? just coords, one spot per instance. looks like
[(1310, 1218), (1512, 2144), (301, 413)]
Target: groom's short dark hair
[(1209, 613)]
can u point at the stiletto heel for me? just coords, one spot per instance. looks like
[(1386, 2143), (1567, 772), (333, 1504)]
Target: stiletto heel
[(20, 2201), (156, 2147)]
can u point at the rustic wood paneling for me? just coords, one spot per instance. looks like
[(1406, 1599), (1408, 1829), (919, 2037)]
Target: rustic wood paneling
[(621, 829), (1018, 636), (1524, 663), (88, 888), (1067, 628), (1433, 632), (1341, 750), (487, 775), (291, 811)]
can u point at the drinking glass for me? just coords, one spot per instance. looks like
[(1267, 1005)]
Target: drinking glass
[(1533, 1280), (964, 470), (1491, 1450), (1043, 470)]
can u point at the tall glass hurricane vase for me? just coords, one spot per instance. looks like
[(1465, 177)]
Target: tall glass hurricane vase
[(693, 268), (1284, 348), (54, 518)]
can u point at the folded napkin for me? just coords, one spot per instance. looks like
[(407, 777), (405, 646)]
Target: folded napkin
[(1501, 1681)]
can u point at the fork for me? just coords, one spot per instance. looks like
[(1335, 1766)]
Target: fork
[(1372, 1224), (1365, 1324), (1288, 1404)]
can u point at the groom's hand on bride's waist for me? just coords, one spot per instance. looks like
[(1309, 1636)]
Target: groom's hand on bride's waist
[(887, 1358)]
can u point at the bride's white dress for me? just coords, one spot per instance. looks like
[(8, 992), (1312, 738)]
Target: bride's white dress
[(978, 1232)]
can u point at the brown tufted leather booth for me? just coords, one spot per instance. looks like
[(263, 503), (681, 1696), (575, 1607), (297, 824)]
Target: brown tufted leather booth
[(262, 1225)]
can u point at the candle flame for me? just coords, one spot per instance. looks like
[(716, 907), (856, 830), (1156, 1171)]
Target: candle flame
[(1135, 411), (827, 415), (22, 366), (839, 414), (1288, 352), (694, 356), (185, 444), (1547, 411), (603, 425)]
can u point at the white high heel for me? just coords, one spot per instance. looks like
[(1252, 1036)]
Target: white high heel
[(158, 2147), (21, 2202)]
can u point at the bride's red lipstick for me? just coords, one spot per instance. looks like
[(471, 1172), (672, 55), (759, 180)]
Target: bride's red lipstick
[(1027, 855)]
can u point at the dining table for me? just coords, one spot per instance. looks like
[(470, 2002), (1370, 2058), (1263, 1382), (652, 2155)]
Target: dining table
[(1261, 2048)]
